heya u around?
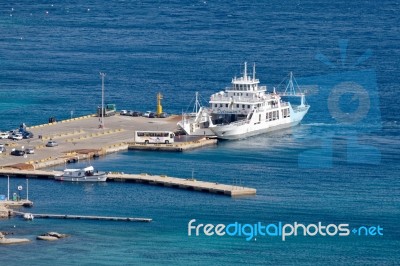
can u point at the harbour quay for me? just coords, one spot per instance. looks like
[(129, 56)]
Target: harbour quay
[(82, 138)]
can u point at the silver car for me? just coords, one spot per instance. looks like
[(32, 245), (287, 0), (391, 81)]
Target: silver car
[(51, 143), (29, 151)]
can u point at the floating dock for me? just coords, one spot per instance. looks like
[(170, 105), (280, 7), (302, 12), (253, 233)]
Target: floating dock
[(159, 180), (84, 217)]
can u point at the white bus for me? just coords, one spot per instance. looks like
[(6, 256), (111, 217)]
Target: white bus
[(147, 137)]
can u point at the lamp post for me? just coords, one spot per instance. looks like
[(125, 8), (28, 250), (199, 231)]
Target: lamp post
[(102, 99), (8, 187)]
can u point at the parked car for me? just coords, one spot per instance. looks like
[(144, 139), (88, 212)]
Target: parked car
[(17, 136), (51, 143), (129, 113), (163, 115), (137, 113), (29, 151), (17, 153), (123, 112), (152, 115), (147, 113), (4, 135), (27, 135)]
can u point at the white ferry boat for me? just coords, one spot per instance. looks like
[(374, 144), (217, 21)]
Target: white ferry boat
[(86, 174), (246, 109)]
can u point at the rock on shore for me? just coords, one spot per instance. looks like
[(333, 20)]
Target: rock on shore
[(4, 212), (8, 241), (51, 236)]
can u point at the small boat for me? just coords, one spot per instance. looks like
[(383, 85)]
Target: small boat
[(28, 216), (86, 174)]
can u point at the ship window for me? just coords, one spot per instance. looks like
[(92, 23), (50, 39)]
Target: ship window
[(220, 105), (243, 106), (237, 105), (247, 94), (248, 106), (226, 105), (216, 105)]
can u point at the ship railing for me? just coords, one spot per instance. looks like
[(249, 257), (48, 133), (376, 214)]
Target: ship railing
[(238, 99), (236, 123), (223, 111)]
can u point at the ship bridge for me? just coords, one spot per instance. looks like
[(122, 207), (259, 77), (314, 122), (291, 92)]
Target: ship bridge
[(246, 83)]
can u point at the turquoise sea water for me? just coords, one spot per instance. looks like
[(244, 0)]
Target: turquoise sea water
[(325, 170)]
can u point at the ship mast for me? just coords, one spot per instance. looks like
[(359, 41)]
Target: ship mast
[(102, 99), (245, 71), (254, 71)]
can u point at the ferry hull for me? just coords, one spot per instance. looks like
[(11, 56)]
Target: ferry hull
[(233, 132), (241, 132)]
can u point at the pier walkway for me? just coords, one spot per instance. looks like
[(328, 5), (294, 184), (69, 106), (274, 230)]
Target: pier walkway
[(83, 217), (190, 184), (159, 180)]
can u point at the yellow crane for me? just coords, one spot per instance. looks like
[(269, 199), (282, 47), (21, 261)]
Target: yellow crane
[(159, 106)]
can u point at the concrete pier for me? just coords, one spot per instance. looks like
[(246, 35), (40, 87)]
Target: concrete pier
[(17, 203), (84, 217), (180, 183), (159, 180)]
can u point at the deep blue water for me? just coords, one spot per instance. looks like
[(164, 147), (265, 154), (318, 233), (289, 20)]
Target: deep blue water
[(330, 169)]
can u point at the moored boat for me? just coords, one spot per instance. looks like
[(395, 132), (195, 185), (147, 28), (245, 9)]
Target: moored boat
[(86, 174), (246, 109)]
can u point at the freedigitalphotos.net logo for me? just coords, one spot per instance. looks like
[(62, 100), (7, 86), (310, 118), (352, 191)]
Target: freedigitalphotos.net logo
[(280, 229), (347, 99)]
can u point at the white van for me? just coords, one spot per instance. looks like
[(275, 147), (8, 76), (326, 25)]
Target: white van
[(4, 135)]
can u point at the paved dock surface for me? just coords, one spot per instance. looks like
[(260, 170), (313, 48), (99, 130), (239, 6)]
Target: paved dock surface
[(17, 203), (83, 134), (190, 184)]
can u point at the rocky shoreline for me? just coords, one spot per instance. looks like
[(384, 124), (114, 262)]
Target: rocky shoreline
[(4, 212), (9, 241)]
